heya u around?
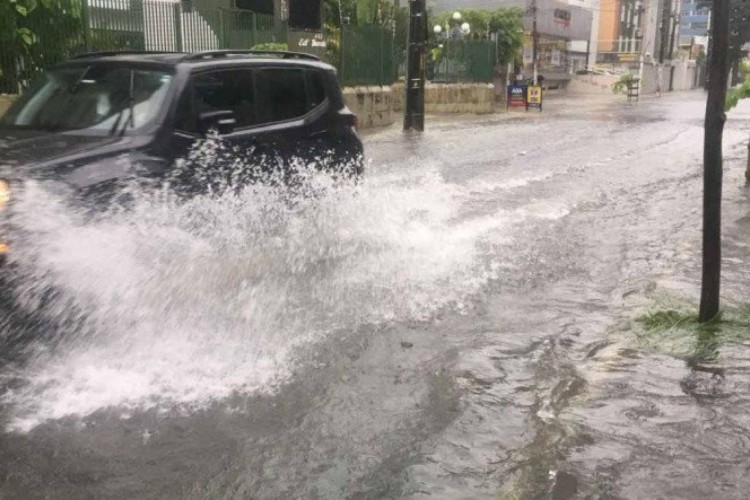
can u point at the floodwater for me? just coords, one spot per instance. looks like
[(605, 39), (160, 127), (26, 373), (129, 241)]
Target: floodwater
[(459, 325)]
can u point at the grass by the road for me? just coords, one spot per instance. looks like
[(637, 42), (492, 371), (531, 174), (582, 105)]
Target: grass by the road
[(676, 331)]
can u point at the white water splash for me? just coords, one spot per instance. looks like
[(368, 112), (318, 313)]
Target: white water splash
[(184, 303)]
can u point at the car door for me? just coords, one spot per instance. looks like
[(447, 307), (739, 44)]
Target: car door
[(214, 131), (238, 124), (294, 114)]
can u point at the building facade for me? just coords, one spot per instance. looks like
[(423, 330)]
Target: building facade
[(629, 29), (695, 20)]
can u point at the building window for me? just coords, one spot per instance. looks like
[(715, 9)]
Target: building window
[(257, 6)]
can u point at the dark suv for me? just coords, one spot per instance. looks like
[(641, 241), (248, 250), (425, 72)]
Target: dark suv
[(102, 120), (104, 117)]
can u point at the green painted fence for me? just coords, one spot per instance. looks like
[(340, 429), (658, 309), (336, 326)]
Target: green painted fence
[(464, 61), (364, 55)]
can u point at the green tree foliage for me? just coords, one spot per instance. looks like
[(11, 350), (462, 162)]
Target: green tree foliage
[(739, 31), (625, 83), (507, 23), (384, 13), (13, 29), (271, 47), (35, 34), (734, 95), (340, 13)]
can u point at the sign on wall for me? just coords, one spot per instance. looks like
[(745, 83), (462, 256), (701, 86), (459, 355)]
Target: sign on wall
[(308, 42), (562, 16)]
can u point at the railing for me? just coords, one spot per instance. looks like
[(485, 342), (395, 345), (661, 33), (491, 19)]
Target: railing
[(464, 61), (100, 25), (364, 55)]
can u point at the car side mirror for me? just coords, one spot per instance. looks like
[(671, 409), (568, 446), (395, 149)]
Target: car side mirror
[(223, 121)]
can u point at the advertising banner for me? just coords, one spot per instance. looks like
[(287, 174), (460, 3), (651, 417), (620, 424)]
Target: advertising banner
[(516, 96), (534, 99)]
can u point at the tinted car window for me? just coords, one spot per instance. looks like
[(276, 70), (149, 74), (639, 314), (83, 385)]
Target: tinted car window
[(317, 88), (230, 90), (281, 94)]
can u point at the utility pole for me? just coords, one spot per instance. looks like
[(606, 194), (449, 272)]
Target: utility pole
[(415, 66), (675, 22), (718, 69), (534, 41), (665, 14)]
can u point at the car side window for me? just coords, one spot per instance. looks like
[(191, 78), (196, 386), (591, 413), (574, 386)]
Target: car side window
[(282, 94), (316, 88), (227, 90), (184, 117)]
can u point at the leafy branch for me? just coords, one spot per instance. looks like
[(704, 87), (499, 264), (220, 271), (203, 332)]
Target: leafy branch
[(625, 82)]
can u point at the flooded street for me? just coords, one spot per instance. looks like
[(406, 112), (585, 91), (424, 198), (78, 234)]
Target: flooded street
[(460, 325)]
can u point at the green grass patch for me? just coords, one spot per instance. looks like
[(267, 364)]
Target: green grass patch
[(676, 331)]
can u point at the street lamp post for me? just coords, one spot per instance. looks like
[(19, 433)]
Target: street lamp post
[(454, 30)]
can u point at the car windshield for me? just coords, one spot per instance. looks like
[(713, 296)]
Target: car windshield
[(97, 99)]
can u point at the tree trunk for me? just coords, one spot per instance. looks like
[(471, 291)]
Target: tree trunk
[(747, 170), (718, 69)]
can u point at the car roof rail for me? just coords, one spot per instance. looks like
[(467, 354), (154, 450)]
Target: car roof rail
[(215, 54), (107, 53)]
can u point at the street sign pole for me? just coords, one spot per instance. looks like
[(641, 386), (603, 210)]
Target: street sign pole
[(415, 66)]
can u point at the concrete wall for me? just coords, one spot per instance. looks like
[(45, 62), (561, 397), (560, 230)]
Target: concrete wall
[(372, 105), (684, 79), (591, 84), (476, 98), (5, 101), (684, 76)]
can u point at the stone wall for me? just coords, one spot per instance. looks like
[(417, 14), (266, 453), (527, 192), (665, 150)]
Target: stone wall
[(5, 101), (476, 98), (372, 105)]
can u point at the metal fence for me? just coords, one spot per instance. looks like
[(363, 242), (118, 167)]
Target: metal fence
[(464, 61), (101, 25), (159, 25), (366, 56)]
